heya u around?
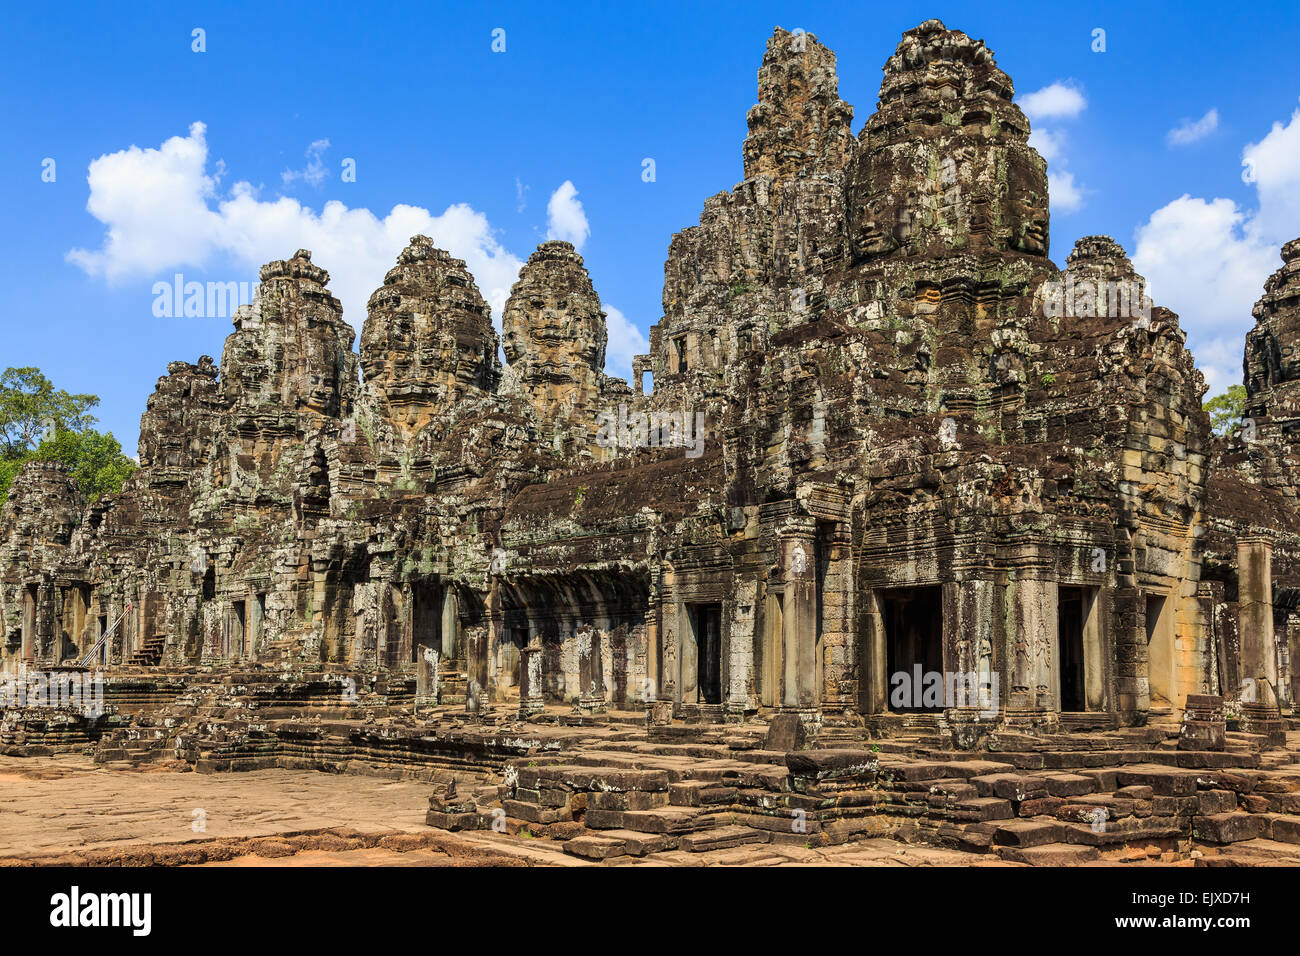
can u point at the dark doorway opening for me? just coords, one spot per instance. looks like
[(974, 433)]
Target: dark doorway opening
[(516, 639), (238, 629), (1071, 608), (1159, 653), (426, 618), (914, 647), (707, 622)]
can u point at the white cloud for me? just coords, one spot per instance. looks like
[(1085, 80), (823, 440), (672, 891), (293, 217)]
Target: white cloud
[(155, 203), (565, 218), (314, 172), (1203, 260), (1189, 131), (625, 341), (1064, 194), (1272, 166), (1208, 259), (521, 195), (1050, 144), (1059, 100), (163, 211)]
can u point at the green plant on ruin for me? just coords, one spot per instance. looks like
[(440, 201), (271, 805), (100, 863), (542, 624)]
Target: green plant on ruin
[(1048, 380), (1226, 409), (41, 423)]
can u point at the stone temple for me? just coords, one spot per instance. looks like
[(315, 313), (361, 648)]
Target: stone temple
[(887, 451)]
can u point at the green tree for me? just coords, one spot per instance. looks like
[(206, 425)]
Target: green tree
[(94, 461), (31, 407), (1226, 410), (39, 422)]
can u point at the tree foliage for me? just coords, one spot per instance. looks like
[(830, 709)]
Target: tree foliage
[(32, 408), (1226, 410), (41, 423)]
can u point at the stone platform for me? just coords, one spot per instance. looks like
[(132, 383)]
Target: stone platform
[(613, 788)]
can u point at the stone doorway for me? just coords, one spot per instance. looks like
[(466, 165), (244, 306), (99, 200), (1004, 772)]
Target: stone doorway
[(913, 619), (426, 618), (1160, 658), (706, 624), (1071, 610)]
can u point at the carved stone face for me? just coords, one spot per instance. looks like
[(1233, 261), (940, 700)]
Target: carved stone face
[(428, 338), (1028, 222), (1024, 211), (553, 326), (923, 185), (875, 227)]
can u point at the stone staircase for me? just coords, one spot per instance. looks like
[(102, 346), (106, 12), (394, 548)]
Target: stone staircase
[(150, 655), (1116, 797), (453, 684)]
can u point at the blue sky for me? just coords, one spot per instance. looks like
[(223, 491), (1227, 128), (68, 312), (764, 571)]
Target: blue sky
[(582, 94)]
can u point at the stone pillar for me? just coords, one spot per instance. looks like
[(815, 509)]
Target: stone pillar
[(426, 677), (450, 625), (802, 675), (320, 596), (873, 679), (29, 624), (669, 618), (653, 688), (530, 680), (591, 669), (255, 626), (688, 653), (496, 635), (1096, 613), (406, 631), (1258, 654), (968, 619), (737, 696), (1035, 681), (476, 670)]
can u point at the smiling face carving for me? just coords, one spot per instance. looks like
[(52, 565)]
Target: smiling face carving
[(946, 120), (553, 328)]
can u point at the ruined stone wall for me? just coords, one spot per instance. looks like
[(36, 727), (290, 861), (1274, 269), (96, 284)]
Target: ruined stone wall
[(885, 430)]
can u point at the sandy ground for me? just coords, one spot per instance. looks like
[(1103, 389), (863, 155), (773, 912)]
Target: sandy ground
[(65, 809)]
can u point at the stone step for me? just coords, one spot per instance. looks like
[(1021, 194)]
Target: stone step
[(642, 844), (1049, 854), (1028, 833), (674, 820), (697, 793), (721, 838), (1257, 852), (1232, 827), (1128, 830), (981, 810), (596, 847), (1284, 828)]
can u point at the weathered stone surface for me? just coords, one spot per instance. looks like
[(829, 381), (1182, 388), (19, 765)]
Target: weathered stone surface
[(887, 438), (428, 343)]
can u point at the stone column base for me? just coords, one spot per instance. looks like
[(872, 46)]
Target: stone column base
[(1265, 720)]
